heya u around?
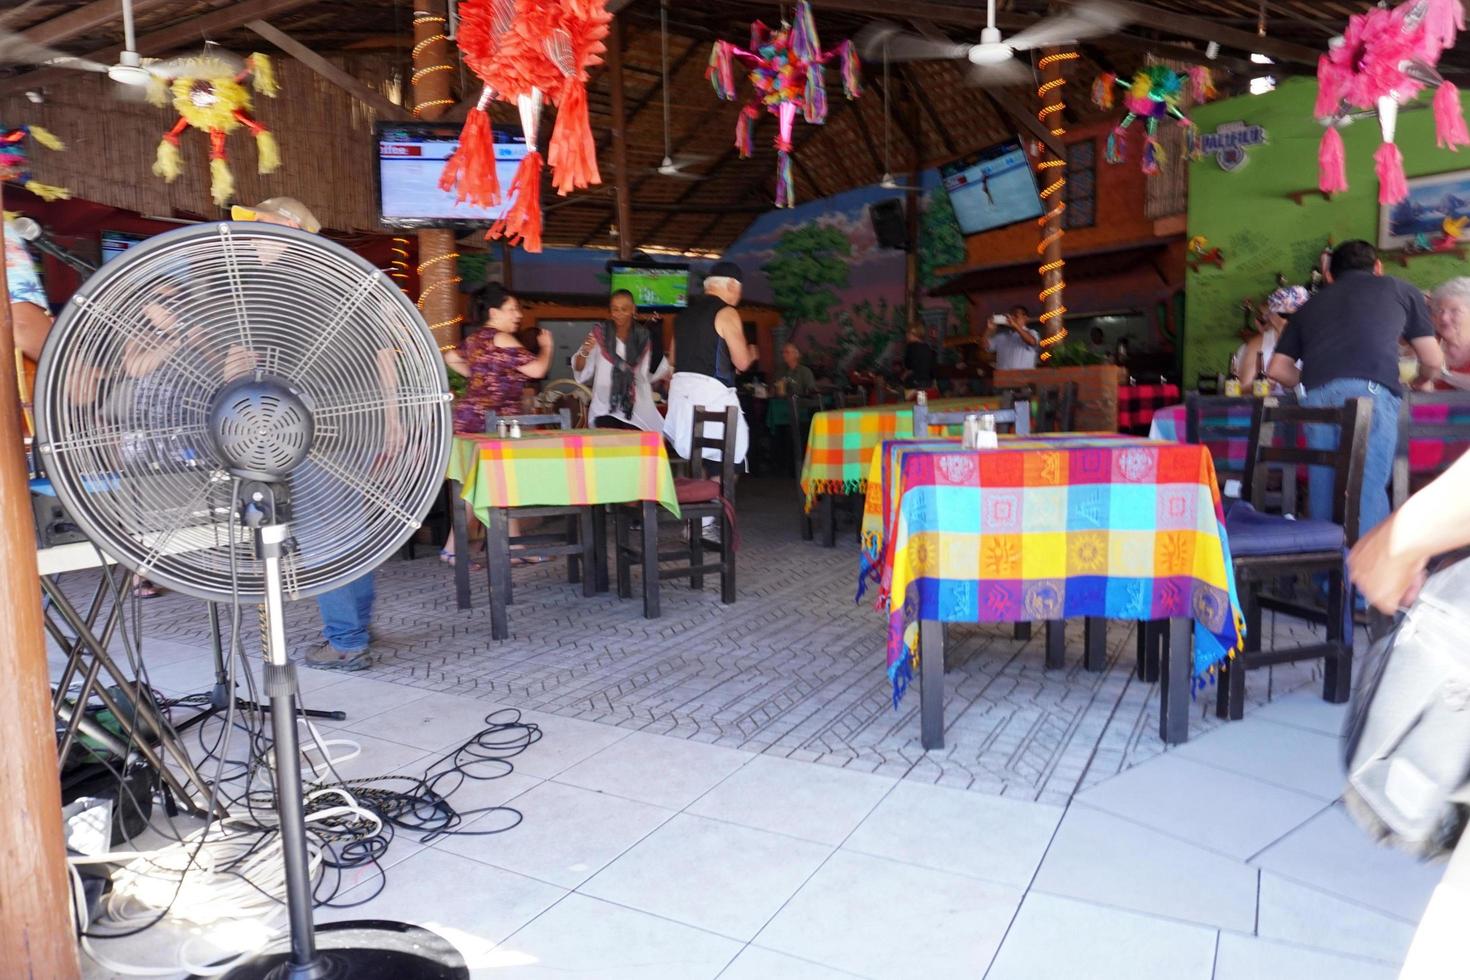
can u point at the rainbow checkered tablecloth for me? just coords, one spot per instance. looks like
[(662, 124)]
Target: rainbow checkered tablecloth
[(1047, 528), (840, 442), (556, 467)]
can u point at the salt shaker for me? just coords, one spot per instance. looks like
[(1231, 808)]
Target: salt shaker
[(986, 437), (502, 428), (970, 435), (515, 428)]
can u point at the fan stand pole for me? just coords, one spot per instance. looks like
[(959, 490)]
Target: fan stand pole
[(280, 685)]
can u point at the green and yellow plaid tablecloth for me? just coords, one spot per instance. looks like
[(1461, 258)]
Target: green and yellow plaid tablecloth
[(840, 442), (556, 467)]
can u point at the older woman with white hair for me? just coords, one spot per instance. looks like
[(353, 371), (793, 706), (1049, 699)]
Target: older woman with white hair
[(1450, 307)]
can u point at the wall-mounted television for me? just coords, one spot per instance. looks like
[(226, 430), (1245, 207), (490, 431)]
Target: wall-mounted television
[(992, 188), (654, 287), (115, 243), (411, 158)]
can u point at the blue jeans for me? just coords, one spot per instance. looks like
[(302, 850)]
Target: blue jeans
[(347, 612), (1383, 438)]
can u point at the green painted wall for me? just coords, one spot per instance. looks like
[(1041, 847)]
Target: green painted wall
[(1262, 232)]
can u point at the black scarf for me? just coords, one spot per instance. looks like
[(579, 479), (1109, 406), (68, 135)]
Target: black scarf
[(621, 393)]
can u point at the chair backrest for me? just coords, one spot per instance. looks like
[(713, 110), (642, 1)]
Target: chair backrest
[(1014, 418), (1274, 444), (1208, 384), (558, 420), (1223, 425), (855, 398), (802, 409), (1434, 431), (724, 442)]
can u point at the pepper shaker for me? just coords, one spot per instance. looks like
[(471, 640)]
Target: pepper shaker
[(515, 428)]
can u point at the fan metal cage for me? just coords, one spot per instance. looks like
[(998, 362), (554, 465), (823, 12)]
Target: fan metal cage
[(217, 348)]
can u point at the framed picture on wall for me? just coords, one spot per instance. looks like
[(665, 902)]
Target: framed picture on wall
[(1431, 201)]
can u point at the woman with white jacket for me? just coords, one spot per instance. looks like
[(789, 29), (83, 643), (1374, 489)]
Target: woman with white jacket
[(615, 360)]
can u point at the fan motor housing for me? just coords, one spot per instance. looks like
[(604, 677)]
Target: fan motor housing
[(262, 428)]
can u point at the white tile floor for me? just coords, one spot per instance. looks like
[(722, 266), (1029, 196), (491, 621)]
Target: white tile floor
[(645, 856)]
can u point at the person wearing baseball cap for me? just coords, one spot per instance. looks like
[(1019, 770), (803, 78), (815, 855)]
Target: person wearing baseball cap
[(1270, 321), (709, 349), (279, 211)]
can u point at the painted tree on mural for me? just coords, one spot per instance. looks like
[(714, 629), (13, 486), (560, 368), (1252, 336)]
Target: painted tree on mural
[(940, 245), (810, 265)]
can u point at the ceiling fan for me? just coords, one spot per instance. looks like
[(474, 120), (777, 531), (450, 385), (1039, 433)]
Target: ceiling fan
[(887, 182), (130, 72), (669, 166), (993, 58)]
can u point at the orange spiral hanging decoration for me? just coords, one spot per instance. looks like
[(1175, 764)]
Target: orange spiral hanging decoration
[(1049, 92)]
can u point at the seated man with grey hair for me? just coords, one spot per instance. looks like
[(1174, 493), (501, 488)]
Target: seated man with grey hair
[(1450, 307)]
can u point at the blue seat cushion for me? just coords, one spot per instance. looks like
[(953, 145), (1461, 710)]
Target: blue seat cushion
[(1253, 534)]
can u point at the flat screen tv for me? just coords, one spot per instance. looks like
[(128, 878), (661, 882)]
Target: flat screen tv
[(654, 287), (992, 188), (411, 157), (115, 243)]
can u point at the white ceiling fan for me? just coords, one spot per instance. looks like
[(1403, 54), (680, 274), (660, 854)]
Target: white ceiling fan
[(129, 71), (994, 57), (670, 167)]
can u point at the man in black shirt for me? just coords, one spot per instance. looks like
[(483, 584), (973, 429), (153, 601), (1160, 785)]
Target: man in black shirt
[(919, 362), (1347, 339)]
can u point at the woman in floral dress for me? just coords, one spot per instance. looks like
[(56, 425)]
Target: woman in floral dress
[(496, 364)]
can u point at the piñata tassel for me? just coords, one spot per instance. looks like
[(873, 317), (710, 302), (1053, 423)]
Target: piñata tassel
[(1117, 145), (47, 192), (785, 189), (221, 181), (572, 152), (1331, 163), (263, 75), (1104, 90), (1388, 163), (521, 223), (1191, 139), (1449, 118), (46, 138), (1153, 155), (167, 163), (814, 105), (1328, 90), (745, 132), (852, 82), (1202, 83), (267, 152), (1442, 20), (804, 43), (721, 70), (470, 172)]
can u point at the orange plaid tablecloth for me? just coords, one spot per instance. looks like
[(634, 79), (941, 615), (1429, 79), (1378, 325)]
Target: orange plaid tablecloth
[(554, 467), (840, 443)]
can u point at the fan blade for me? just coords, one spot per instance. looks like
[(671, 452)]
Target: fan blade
[(15, 49), (1003, 75), (1083, 21), (882, 41)]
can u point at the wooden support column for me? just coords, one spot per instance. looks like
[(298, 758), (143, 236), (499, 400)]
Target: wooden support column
[(622, 196), (911, 206), (36, 938), (433, 73)]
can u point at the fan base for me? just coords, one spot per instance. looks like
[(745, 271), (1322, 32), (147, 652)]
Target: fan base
[(365, 950)]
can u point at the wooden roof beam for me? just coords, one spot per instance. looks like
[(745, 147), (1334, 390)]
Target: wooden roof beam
[(84, 19), (950, 147), (1007, 104), (1202, 29), (368, 96), (653, 91), (171, 38)]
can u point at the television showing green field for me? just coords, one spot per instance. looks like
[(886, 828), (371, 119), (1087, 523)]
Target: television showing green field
[(653, 287)]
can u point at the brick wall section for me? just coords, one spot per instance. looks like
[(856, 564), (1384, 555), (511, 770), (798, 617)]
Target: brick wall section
[(1097, 391)]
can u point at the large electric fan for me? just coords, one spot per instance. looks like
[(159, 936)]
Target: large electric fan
[(250, 412)]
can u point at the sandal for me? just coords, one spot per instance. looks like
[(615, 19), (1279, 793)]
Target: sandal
[(529, 560), (448, 559), (146, 590)]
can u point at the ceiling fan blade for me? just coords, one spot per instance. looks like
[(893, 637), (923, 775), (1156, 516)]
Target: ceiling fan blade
[(883, 41), (1003, 75), (1078, 23), (15, 49)]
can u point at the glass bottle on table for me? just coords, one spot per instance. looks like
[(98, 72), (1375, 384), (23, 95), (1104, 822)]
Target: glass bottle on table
[(1231, 388), (1261, 386)]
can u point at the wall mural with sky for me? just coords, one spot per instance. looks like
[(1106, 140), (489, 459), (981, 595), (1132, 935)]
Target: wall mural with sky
[(841, 294)]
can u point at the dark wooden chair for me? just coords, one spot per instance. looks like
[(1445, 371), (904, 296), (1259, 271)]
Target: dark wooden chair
[(1207, 384), (1452, 434), (698, 499), (578, 542), (1223, 424), (1053, 407), (801, 409)]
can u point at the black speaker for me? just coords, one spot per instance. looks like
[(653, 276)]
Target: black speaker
[(890, 224)]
